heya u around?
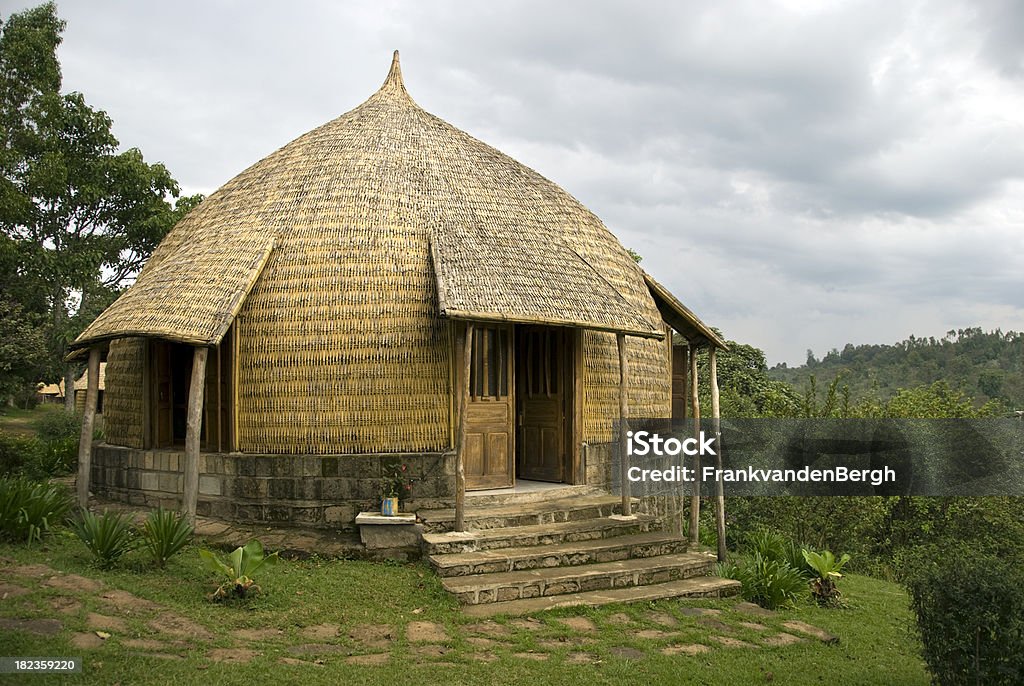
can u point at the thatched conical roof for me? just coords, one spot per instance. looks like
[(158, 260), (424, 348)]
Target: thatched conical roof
[(332, 223)]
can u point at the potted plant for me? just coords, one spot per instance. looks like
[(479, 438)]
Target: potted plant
[(395, 487)]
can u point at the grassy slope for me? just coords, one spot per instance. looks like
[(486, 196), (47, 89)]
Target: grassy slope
[(876, 645)]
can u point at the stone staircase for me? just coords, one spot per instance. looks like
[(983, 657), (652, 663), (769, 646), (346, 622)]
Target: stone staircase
[(536, 551)]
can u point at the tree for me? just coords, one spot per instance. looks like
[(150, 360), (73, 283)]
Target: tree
[(80, 218), (746, 389)]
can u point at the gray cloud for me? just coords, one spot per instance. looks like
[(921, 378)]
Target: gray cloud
[(801, 174)]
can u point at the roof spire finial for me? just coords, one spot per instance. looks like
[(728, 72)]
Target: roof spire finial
[(394, 80)]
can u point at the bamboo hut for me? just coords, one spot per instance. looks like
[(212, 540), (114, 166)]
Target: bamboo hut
[(81, 389), (302, 331)]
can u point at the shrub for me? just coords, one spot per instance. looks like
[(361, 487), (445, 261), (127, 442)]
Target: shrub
[(29, 510), (52, 458), (164, 533), (773, 546), (107, 537), (56, 424), (56, 450), (15, 452), (769, 583), (970, 614), (850, 523)]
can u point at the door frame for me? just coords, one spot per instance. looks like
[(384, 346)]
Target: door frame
[(574, 470), (572, 395), (508, 480)]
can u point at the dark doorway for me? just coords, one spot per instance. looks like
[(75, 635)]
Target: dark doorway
[(544, 390)]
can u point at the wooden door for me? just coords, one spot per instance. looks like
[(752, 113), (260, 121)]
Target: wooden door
[(489, 437), (680, 391), (163, 389), (172, 371), (541, 374)]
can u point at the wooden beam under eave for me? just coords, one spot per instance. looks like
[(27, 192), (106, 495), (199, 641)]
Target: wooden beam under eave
[(460, 457), (92, 392), (716, 424), (193, 430), (695, 405)]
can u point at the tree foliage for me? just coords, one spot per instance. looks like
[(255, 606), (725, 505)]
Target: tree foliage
[(77, 217), (985, 365)]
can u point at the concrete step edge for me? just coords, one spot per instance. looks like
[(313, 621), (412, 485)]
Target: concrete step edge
[(497, 539), (557, 575), (700, 587), (512, 555)]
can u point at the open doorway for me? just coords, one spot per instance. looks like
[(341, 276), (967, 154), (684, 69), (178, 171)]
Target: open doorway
[(170, 364), (545, 368)]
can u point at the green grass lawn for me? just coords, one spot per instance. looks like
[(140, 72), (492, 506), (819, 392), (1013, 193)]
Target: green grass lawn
[(22, 422), (317, 620)]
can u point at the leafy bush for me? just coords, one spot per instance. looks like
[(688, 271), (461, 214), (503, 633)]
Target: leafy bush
[(15, 452), (56, 424), (241, 564), (107, 537), (56, 450), (845, 523), (164, 533), (52, 458), (970, 614), (29, 510), (879, 532)]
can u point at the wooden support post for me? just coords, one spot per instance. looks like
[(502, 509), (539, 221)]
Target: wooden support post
[(695, 403), (92, 392), (147, 393), (193, 429), (716, 423), (460, 460), (220, 412), (627, 503)]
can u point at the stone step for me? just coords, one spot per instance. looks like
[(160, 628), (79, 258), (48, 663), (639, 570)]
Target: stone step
[(536, 534), (530, 583), (693, 587), (524, 513), (509, 496), (558, 555)]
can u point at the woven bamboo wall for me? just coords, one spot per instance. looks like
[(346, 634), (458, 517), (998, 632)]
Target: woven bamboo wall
[(649, 382), (122, 399), (358, 366)]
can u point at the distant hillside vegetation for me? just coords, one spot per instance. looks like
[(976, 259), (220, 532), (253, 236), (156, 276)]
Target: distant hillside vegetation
[(984, 365)]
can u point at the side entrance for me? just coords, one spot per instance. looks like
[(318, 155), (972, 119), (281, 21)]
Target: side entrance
[(523, 406)]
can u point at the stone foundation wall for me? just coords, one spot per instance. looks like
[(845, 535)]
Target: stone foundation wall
[(317, 491)]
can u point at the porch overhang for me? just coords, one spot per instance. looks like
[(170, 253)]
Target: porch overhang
[(485, 277), (193, 298), (680, 317)]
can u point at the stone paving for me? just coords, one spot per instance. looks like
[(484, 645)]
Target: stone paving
[(148, 628)]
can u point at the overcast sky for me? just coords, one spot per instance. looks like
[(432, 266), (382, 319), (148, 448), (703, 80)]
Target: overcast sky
[(801, 174)]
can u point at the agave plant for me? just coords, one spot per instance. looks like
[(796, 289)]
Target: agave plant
[(29, 510), (164, 533), (769, 583), (239, 567), (826, 567), (107, 537)]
